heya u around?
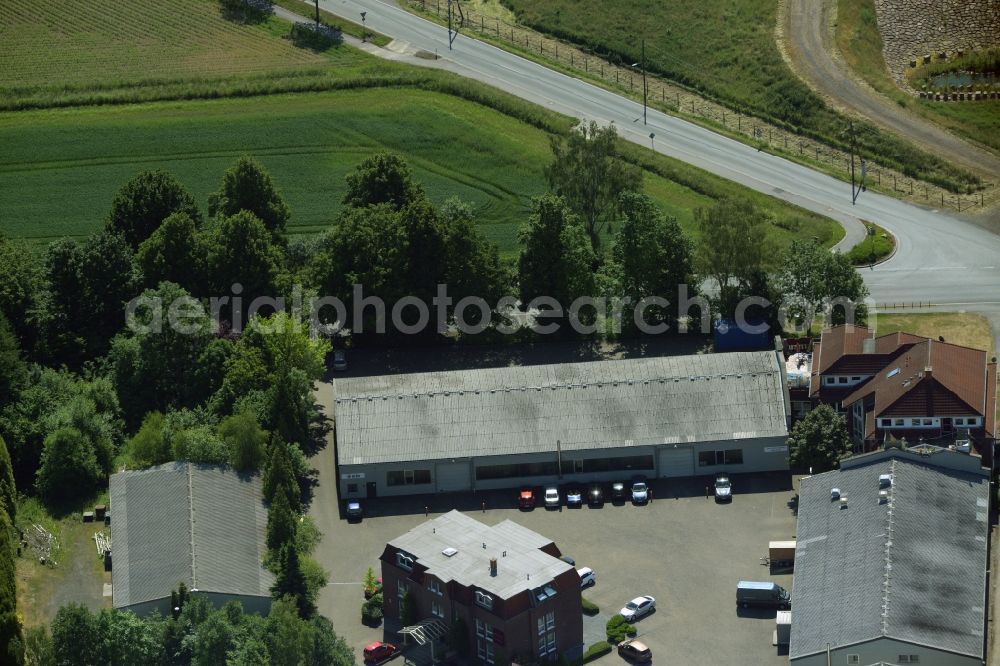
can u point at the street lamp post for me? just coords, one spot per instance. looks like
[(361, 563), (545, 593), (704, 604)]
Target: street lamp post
[(364, 31), (645, 88)]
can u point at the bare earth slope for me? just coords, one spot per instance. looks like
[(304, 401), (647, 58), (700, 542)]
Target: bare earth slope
[(810, 46)]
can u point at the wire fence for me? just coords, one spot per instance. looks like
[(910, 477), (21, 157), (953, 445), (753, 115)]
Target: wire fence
[(662, 94)]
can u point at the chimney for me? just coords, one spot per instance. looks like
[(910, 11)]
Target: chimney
[(927, 371), (493, 566), (868, 346)]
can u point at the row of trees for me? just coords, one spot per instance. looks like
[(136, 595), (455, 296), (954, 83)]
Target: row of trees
[(197, 636)]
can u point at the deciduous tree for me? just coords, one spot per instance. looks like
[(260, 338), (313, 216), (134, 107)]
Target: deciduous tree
[(68, 466), (173, 253), (587, 171), (556, 258), (247, 186), (245, 439), (819, 441), (732, 248), (145, 201), (383, 178), (812, 277)]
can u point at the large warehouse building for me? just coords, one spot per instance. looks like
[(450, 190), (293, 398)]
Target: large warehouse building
[(597, 421)]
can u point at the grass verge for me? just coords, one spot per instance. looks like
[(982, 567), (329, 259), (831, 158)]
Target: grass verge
[(875, 247), (961, 328), (347, 27), (859, 41)]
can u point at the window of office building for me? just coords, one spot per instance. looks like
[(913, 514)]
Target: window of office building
[(437, 609), (408, 477)]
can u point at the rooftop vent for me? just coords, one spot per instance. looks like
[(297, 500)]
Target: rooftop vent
[(884, 480), (493, 566), (449, 552), (834, 494)]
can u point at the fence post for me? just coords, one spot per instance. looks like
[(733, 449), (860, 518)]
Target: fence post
[(571, 59), (616, 77), (438, 11), (893, 182), (942, 198), (800, 148), (586, 65)]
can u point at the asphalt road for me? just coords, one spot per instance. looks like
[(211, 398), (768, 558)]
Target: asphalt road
[(942, 258), (809, 42)]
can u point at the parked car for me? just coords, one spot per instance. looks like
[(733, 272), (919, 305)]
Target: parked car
[(568, 560), (640, 491), (723, 488), (377, 652), (526, 500), (638, 607), (574, 497), (595, 495), (633, 650), (340, 360), (354, 511), (587, 576), (766, 594), (551, 497), (618, 491)]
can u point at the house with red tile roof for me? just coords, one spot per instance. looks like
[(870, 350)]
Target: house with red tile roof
[(900, 386)]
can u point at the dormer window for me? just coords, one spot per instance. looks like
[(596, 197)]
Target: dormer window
[(404, 561), (484, 600), (435, 587)]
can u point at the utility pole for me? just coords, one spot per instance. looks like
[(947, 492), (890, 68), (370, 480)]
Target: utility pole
[(364, 30), (645, 89), (317, 14), (452, 34), (857, 190)]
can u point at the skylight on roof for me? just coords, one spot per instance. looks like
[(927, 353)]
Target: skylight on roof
[(892, 373), (449, 552)]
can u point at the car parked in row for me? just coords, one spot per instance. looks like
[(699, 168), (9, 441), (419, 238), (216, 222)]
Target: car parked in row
[(595, 495), (354, 512), (574, 498), (552, 497), (526, 500), (640, 491), (618, 491), (638, 608)]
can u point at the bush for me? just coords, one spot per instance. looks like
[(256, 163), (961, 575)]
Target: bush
[(598, 649), (247, 11), (316, 37), (618, 628), (371, 610), (589, 607)]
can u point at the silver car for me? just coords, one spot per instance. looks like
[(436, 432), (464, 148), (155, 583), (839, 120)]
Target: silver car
[(723, 488), (551, 497)]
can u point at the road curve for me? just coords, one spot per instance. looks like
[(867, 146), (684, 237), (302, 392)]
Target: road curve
[(810, 48), (941, 258)]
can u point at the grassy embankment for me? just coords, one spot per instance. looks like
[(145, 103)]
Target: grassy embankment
[(726, 50), (859, 41)]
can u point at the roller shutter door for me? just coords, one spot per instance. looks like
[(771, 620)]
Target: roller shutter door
[(452, 477), (676, 462)]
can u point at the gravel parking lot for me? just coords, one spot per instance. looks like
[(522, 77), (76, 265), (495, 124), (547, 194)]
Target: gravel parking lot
[(684, 549)]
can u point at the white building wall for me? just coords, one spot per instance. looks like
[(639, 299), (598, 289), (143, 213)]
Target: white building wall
[(885, 650)]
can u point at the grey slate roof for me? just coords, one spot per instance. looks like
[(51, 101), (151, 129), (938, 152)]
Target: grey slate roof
[(520, 564), (200, 524), (518, 410), (912, 568)]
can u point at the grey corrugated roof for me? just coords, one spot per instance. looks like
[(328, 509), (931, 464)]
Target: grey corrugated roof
[(599, 404), (520, 564), (912, 568), (200, 524)]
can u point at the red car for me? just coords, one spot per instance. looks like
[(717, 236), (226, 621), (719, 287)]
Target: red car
[(378, 652), (526, 499)]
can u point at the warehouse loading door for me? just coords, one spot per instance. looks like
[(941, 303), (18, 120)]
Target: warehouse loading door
[(676, 461), (453, 476)]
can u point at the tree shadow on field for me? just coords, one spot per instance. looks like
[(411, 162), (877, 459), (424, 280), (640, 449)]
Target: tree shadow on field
[(247, 12)]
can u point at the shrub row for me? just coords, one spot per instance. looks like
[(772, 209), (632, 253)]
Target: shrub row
[(598, 649)]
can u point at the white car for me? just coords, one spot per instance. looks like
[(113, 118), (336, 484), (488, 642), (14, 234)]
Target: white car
[(637, 608), (640, 491), (587, 576), (551, 497), (723, 488)]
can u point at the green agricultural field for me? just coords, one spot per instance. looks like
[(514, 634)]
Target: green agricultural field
[(46, 43), (60, 168), (858, 39), (727, 50)]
